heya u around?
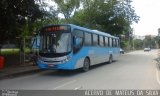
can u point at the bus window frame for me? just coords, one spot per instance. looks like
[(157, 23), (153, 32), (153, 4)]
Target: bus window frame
[(101, 37), (73, 40), (97, 41), (91, 43)]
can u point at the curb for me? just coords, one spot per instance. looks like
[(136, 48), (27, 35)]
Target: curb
[(18, 74)]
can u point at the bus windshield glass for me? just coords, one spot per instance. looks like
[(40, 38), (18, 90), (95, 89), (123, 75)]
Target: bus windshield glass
[(57, 42)]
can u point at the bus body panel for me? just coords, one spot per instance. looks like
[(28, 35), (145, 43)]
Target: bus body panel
[(116, 53), (95, 54)]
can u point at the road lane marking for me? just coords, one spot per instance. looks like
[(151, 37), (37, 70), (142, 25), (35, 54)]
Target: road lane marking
[(65, 84), (78, 88)]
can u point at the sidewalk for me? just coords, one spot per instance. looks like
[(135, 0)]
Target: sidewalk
[(15, 71)]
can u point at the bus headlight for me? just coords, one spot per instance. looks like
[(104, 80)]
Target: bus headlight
[(66, 59)]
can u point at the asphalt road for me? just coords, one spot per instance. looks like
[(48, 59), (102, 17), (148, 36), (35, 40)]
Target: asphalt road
[(134, 70)]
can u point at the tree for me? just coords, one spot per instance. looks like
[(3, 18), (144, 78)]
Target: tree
[(157, 41), (67, 7), (150, 41), (112, 16), (138, 44), (50, 15), (14, 15)]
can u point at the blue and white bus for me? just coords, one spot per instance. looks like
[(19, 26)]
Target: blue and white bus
[(70, 47)]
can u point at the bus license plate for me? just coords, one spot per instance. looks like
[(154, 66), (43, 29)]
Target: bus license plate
[(50, 65)]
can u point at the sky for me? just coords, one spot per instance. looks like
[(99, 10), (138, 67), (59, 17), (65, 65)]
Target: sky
[(149, 12)]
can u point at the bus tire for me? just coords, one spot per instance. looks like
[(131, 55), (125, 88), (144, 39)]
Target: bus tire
[(110, 59), (86, 65)]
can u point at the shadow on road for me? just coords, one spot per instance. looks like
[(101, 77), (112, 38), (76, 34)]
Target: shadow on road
[(68, 73)]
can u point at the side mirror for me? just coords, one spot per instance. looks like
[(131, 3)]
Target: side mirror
[(36, 43)]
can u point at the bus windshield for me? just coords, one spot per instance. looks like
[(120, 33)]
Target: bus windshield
[(57, 42)]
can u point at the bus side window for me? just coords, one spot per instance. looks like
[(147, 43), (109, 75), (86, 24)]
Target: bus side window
[(101, 41), (95, 40), (78, 38), (88, 39), (110, 42), (113, 43), (106, 42), (117, 43)]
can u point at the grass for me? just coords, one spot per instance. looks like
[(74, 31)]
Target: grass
[(12, 51), (9, 51)]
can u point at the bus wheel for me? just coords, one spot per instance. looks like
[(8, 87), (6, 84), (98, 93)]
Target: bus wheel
[(110, 59), (86, 65)]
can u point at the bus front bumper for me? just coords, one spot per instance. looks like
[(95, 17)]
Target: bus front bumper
[(65, 66)]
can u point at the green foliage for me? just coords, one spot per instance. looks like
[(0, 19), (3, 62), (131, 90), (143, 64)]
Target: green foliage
[(149, 41), (123, 44), (13, 16), (113, 16), (138, 44), (67, 7), (157, 40)]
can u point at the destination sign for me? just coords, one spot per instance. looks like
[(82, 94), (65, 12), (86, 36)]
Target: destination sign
[(56, 28)]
